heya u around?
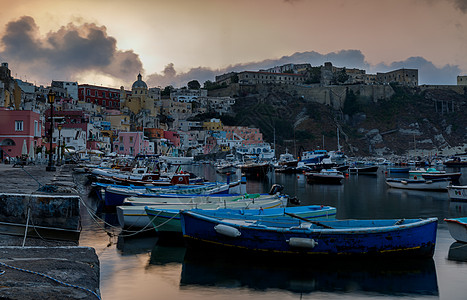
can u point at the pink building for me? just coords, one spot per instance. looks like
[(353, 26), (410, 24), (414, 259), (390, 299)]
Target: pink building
[(248, 136), (132, 143), (20, 133), (173, 137)]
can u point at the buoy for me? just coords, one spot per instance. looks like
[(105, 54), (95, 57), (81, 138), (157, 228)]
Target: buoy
[(227, 230), (302, 242)]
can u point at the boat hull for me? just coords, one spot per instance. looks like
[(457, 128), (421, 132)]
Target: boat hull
[(414, 239), (168, 220), (426, 185), (457, 192), (458, 228)]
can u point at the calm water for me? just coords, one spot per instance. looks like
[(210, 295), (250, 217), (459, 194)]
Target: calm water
[(140, 268)]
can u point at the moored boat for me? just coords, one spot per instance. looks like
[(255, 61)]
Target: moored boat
[(369, 170), (134, 214), (329, 176), (458, 228), (418, 184), (168, 220), (457, 192), (296, 238)]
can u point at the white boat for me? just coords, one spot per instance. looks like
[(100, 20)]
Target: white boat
[(177, 160), (135, 216), (418, 184), (458, 228), (457, 192), (331, 176)]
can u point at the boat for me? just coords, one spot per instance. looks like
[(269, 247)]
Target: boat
[(177, 160), (399, 170), (297, 238), (456, 161), (286, 160), (255, 170), (418, 184), (457, 192), (458, 252), (134, 214), (168, 220), (369, 170), (329, 176), (453, 176), (314, 156), (116, 194), (458, 228)]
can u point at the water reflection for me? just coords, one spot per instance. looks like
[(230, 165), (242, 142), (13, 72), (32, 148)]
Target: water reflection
[(386, 277), (135, 245), (166, 254), (458, 252)]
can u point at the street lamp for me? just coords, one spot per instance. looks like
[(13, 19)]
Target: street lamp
[(59, 160), (51, 99)]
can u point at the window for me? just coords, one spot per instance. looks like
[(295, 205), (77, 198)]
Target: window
[(18, 125), (131, 139)]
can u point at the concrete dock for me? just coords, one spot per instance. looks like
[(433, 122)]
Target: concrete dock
[(37, 268)]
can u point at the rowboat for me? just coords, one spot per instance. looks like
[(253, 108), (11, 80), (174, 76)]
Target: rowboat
[(399, 170), (116, 194), (329, 176), (134, 215), (168, 220), (458, 228), (369, 170), (457, 192), (296, 238), (418, 184)]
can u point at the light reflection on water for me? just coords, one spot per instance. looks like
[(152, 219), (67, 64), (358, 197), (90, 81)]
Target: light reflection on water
[(140, 268)]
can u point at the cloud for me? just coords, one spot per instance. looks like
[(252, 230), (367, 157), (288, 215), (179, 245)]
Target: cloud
[(65, 53), (461, 5)]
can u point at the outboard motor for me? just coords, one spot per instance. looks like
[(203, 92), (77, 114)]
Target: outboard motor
[(276, 188), (294, 200)]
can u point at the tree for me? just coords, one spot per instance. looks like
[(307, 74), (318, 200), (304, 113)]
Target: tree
[(166, 90), (194, 85), (351, 106)]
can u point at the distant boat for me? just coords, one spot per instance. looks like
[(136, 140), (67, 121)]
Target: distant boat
[(329, 176), (399, 170), (457, 192), (418, 184), (306, 239), (370, 170), (458, 228)]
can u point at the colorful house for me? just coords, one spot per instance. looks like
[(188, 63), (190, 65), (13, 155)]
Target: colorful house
[(20, 133), (132, 143)]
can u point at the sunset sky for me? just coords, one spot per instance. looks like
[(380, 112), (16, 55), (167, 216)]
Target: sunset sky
[(174, 41)]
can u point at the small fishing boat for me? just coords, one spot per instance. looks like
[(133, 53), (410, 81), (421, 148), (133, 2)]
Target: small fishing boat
[(453, 176), (297, 238), (329, 176), (457, 192), (168, 220), (134, 214), (369, 170), (399, 170), (458, 228), (418, 184)]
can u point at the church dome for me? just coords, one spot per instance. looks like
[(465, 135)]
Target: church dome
[(139, 83)]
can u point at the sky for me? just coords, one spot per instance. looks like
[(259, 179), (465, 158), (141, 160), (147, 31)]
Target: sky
[(171, 42)]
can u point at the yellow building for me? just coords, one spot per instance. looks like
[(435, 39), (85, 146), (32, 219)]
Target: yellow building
[(119, 122), (139, 98), (214, 125)]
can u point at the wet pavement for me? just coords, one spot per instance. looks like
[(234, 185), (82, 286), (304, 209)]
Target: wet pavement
[(35, 268)]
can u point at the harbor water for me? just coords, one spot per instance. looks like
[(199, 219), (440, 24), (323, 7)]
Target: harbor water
[(140, 267)]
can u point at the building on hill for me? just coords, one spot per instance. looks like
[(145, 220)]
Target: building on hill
[(250, 77), (70, 87), (140, 98), (462, 80), (407, 77), (103, 96)]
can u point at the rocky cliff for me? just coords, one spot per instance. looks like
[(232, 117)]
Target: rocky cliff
[(410, 121)]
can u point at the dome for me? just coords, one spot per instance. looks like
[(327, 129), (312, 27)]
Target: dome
[(139, 83)]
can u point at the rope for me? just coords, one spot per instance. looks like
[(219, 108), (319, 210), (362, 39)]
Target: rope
[(49, 277), (26, 229)]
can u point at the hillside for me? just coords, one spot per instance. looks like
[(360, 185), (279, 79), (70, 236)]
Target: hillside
[(412, 119)]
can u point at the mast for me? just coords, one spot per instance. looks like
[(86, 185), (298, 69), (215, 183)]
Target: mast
[(338, 144)]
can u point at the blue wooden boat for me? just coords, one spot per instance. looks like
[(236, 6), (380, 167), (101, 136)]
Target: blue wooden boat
[(297, 238), (168, 220)]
